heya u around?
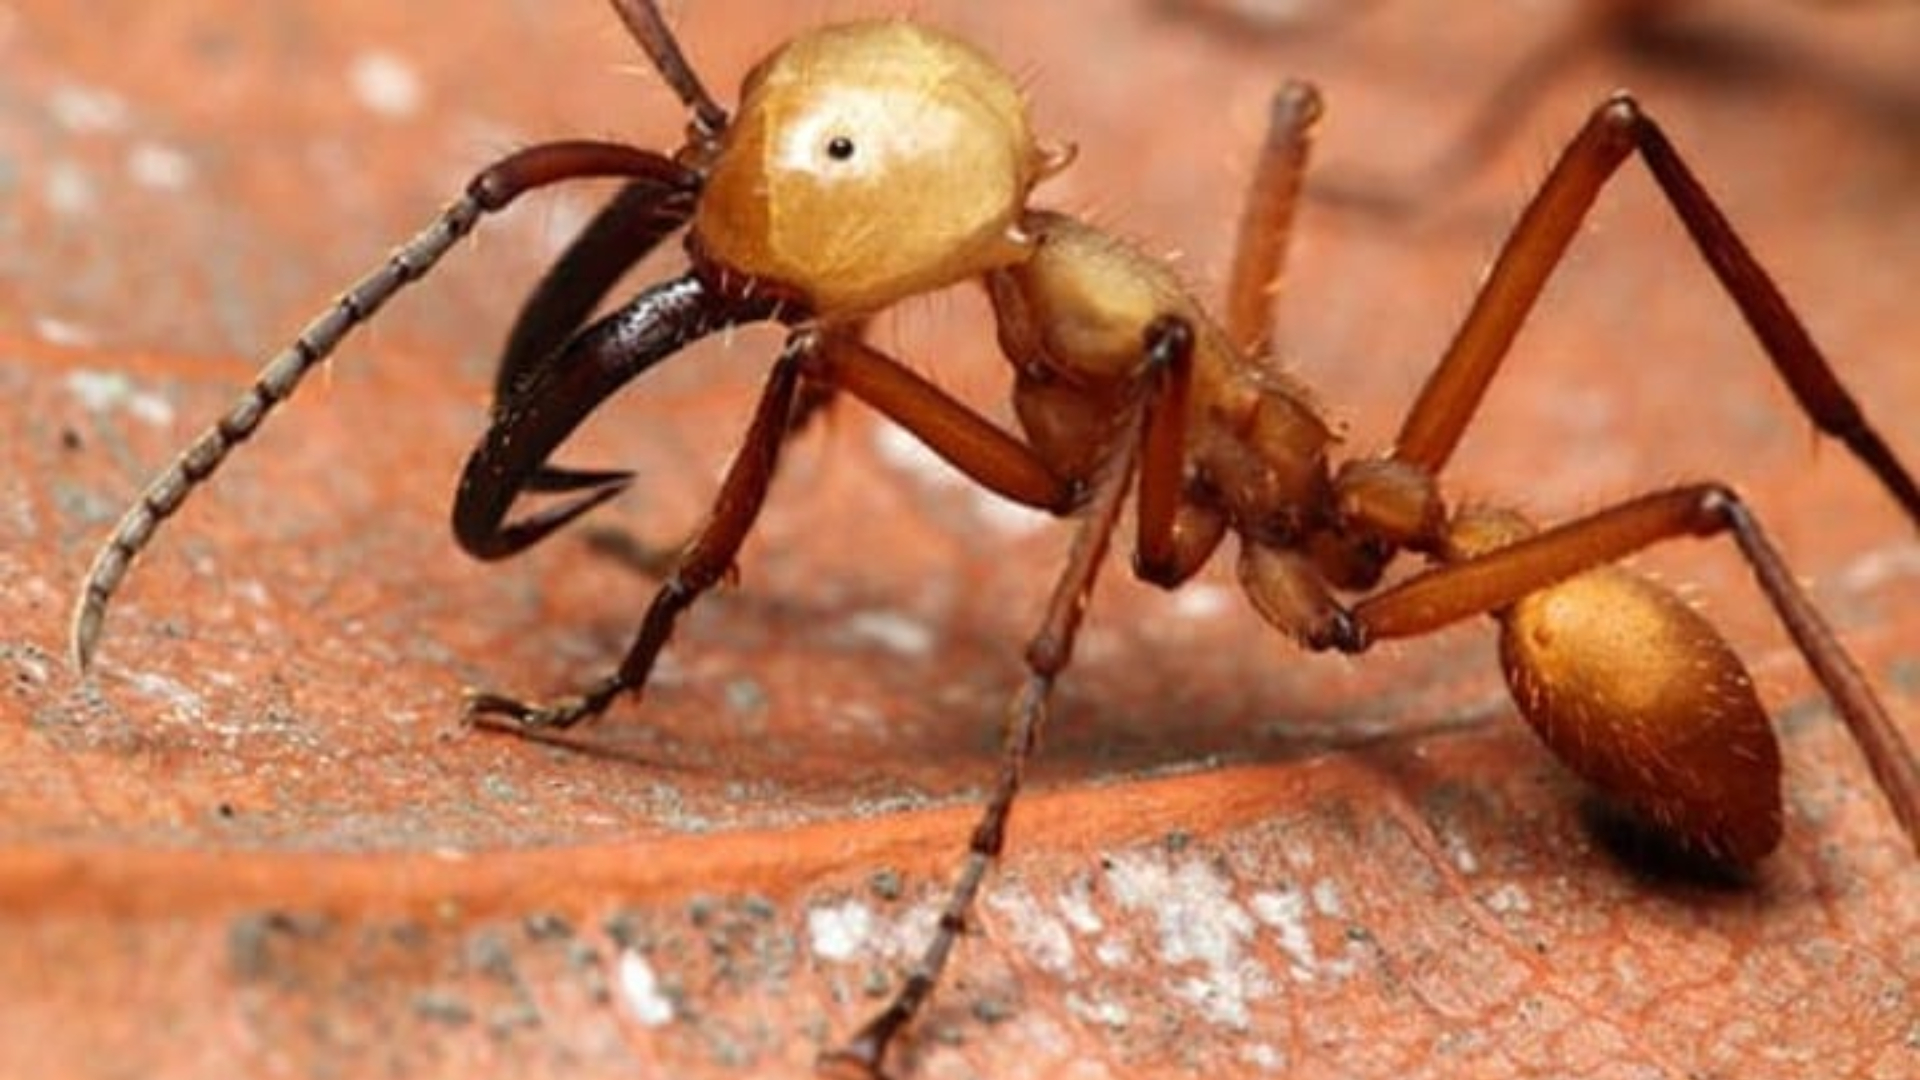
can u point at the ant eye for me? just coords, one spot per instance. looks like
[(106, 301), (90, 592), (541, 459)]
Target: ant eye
[(840, 148)]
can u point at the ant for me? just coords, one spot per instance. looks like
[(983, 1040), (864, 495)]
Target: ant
[(872, 162)]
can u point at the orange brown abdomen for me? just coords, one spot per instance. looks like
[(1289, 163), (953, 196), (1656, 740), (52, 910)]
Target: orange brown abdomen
[(1640, 695)]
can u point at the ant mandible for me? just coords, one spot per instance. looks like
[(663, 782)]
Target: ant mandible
[(873, 162)]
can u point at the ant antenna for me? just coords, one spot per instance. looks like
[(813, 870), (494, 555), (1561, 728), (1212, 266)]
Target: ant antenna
[(490, 191), (649, 28)]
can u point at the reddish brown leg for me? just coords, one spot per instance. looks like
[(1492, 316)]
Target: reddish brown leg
[(1048, 652), (598, 361), (1453, 392), (1489, 582), (656, 560), (1174, 537), (968, 441), (491, 190), (1266, 221), (704, 563)]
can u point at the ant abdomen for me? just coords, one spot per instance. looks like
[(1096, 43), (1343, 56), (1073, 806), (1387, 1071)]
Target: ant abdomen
[(1640, 695)]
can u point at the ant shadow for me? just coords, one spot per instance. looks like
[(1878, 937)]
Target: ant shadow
[(1656, 860), (1143, 703), (1105, 725)]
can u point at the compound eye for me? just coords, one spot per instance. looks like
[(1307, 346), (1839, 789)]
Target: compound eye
[(840, 148)]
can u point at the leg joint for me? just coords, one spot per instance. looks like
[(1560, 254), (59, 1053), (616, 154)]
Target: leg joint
[(1721, 507), (1048, 653), (1169, 342), (1341, 631), (1621, 111)]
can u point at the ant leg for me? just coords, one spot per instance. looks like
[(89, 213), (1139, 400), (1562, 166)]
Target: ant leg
[(1496, 579), (1174, 538), (657, 560), (624, 231), (703, 564), (1266, 221), (604, 357), (988, 455), (1046, 655), (1168, 341), (491, 190), (1453, 392)]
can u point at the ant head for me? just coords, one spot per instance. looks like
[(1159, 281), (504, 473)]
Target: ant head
[(870, 162)]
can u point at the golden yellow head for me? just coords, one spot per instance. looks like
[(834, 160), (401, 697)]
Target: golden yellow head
[(870, 162)]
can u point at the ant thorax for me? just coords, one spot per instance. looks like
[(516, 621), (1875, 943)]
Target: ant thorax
[(1072, 320)]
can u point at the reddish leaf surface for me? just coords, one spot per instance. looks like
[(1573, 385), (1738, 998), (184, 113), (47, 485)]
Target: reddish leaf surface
[(259, 842)]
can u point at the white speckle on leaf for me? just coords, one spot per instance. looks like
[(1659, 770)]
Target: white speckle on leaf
[(1006, 518), (32, 669), (1076, 906), (900, 450), (907, 933), (159, 166), (1199, 923), (1876, 568), (850, 718), (1104, 1011), (1043, 1036), (387, 85), (640, 990), (893, 631), (1264, 1057), (106, 391), (182, 703), (839, 932), (1508, 899), (87, 110), (1464, 859), (69, 189), (60, 332), (1326, 898), (1038, 933), (1285, 911)]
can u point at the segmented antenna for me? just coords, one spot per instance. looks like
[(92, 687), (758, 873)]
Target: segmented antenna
[(273, 385), (490, 191)]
